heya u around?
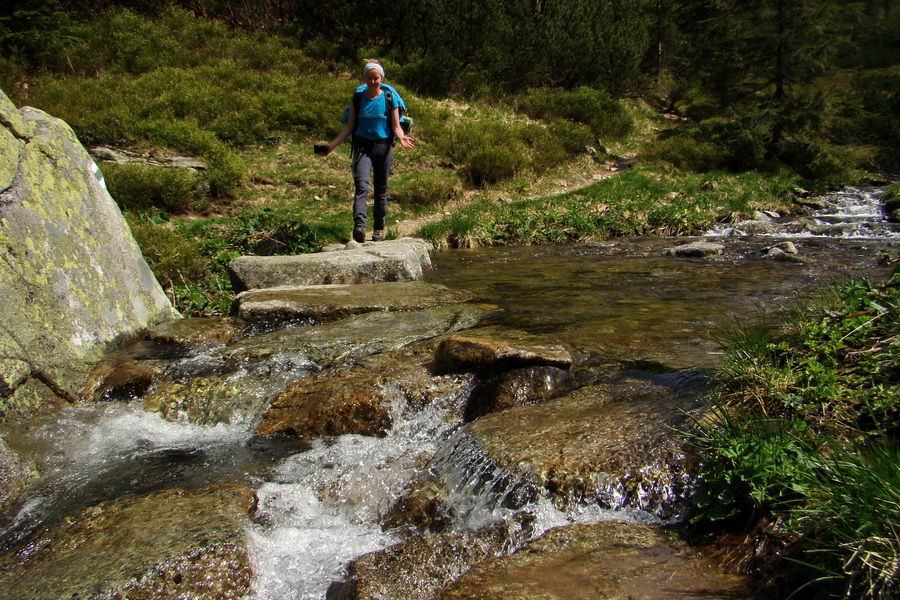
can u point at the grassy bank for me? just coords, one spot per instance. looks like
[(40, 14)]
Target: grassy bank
[(799, 451)]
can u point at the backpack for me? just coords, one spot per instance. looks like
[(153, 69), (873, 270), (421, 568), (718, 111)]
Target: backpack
[(390, 94)]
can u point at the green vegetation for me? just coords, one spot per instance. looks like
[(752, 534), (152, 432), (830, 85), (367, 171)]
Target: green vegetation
[(802, 432), (749, 101), (637, 202)]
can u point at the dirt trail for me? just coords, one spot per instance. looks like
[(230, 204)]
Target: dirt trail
[(577, 175)]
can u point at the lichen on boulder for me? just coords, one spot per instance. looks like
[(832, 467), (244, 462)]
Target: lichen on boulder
[(72, 277)]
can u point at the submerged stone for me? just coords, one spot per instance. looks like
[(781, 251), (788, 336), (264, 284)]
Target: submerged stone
[(356, 399), (197, 331), (348, 340), (171, 544), (519, 387), (610, 560), (418, 568), (233, 398), (16, 474), (611, 444), (495, 349)]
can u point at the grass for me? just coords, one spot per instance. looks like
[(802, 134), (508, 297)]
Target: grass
[(803, 431), (637, 202)]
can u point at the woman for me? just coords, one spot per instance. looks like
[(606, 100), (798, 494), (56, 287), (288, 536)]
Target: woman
[(372, 149)]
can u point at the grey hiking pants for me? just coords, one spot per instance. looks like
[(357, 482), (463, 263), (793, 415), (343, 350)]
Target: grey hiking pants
[(371, 159)]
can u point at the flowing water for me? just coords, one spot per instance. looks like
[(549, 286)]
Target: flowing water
[(321, 504)]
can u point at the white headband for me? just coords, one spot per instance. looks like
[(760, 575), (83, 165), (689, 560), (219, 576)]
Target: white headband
[(373, 65)]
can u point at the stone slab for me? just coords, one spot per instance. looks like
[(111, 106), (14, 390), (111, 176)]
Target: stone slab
[(405, 259), (326, 303)]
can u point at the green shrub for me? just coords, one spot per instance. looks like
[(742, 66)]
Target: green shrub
[(573, 137), (174, 259), (812, 159), (427, 189), (429, 76), (802, 429), (684, 153), (891, 198), (595, 108), (141, 187), (487, 151), (743, 145)]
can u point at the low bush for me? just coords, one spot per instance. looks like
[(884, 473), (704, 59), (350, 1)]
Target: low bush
[(486, 152), (683, 152), (147, 188), (427, 189), (174, 259), (595, 108)]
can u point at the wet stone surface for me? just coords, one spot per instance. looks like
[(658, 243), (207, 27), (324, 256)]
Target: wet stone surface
[(172, 544)]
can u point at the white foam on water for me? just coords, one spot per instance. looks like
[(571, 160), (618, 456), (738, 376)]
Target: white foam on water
[(304, 544), (851, 213), (86, 436), (324, 506)]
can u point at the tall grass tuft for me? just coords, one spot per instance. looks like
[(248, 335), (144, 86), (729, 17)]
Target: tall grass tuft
[(802, 430)]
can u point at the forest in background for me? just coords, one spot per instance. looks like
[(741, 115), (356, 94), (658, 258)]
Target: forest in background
[(785, 80)]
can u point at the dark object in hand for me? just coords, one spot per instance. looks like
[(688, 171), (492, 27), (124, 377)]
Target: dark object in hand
[(320, 149)]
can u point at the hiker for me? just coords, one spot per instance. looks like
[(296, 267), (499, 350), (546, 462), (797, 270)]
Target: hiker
[(372, 144)]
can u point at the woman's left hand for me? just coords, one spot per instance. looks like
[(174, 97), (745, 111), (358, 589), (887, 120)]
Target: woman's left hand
[(407, 142)]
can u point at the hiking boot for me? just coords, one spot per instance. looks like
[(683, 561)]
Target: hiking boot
[(378, 235), (359, 234)]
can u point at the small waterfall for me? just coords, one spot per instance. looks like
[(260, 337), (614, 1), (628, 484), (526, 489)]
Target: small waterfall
[(851, 213)]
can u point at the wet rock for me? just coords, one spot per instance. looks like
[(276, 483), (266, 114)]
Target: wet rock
[(491, 350), (234, 398), (783, 252), (611, 443), (197, 332), (356, 399), (395, 260), (519, 387), (696, 250), (419, 507), (72, 278), (124, 380), (334, 403), (786, 247), (348, 340), (418, 568), (602, 561), (325, 303), (16, 474), (168, 545)]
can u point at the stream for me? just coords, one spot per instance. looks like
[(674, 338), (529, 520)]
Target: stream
[(617, 304)]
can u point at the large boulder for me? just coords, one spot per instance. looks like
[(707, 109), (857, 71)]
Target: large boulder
[(397, 260), (72, 278)]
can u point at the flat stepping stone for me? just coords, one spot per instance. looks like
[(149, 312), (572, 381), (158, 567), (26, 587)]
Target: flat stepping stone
[(326, 303), (405, 259)]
